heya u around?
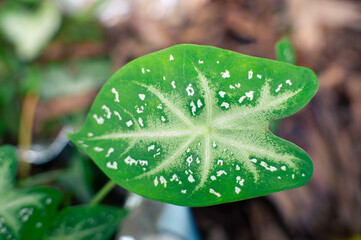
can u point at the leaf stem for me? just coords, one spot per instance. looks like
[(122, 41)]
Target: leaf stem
[(25, 131), (41, 178), (102, 192)]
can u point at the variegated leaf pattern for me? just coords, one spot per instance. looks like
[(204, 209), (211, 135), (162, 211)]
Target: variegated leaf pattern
[(85, 223), (24, 213), (188, 125)]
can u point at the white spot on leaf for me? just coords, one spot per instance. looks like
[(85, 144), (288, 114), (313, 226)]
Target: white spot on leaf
[(142, 96), (189, 160), (278, 88), (156, 181), (129, 123), (98, 149), (116, 95), (253, 160), (193, 108), (113, 165), (174, 178), (151, 147), (99, 120), (225, 74), (163, 181), (190, 90), (173, 84), (221, 172), (250, 74), (190, 178), (140, 120), (240, 100), (249, 95), (225, 105), (118, 115), (214, 192), (107, 111), (109, 152)]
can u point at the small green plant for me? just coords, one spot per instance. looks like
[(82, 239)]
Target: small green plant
[(32, 213), (188, 125), (285, 51)]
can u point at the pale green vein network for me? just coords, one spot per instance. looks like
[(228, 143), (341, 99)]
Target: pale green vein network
[(168, 103), (160, 134), (204, 84), (265, 102), (170, 160), (259, 151), (206, 163), (133, 118), (249, 166)]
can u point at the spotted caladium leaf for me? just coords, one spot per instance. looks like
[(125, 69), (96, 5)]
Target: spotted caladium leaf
[(188, 125), (85, 222), (24, 213)]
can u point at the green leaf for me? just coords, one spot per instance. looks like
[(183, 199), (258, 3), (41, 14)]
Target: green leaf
[(85, 222), (23, 212), (8, 166), (31, 31), (285, 51), (188, 125)]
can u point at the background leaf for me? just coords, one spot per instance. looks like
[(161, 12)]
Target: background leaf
[(187, 125), (37, 27), (23, 212), (85, 223), (285, 51), (8, 165)]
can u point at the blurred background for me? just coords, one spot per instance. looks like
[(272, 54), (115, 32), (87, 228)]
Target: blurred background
[(56, 54)]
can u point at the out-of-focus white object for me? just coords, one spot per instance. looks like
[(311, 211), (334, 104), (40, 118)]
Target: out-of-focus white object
[(112, 12), (43, 153), (153, 220)]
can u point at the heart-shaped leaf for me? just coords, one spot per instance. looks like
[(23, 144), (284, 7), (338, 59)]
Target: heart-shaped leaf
[(188, 125), (85, 222), (23, 212)]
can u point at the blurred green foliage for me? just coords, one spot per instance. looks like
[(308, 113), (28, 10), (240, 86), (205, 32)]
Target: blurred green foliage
[(285, 51), (28, 28)]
